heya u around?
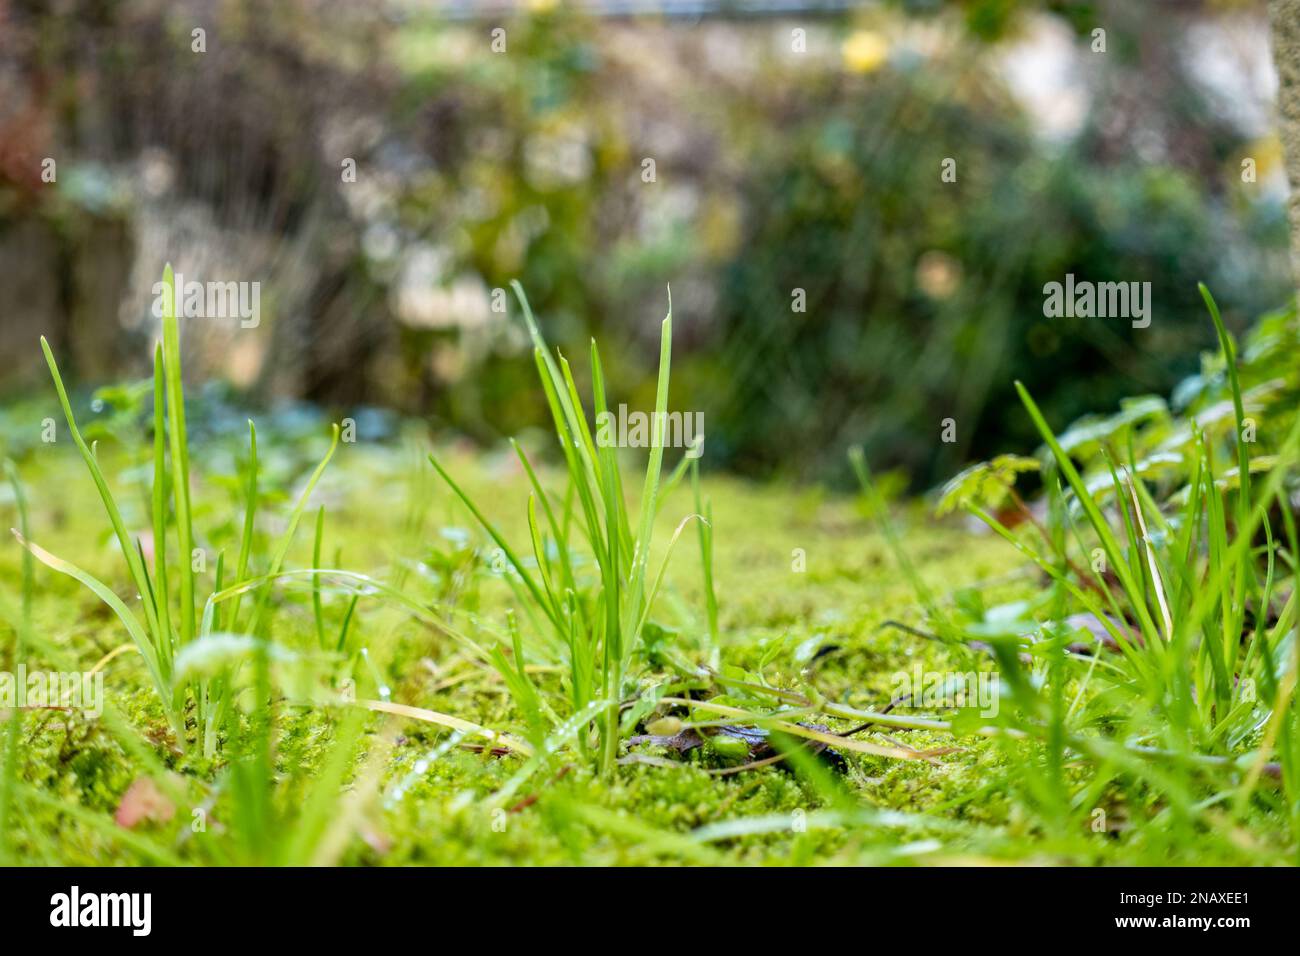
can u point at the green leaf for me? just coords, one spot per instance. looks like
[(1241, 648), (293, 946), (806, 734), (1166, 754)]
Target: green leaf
[(986, 484)]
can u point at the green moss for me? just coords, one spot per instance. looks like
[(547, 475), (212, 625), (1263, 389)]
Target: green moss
[(970, 804)]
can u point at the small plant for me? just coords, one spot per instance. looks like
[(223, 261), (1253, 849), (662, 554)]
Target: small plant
[(595, 632), (213, 667), (619, 669), (172, 626), (1187, 672)]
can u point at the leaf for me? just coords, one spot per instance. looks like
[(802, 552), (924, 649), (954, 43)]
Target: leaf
[(447, 720), (143, 801), (985, 485), (105, 594), (1100, 629), (1092, 429), (1153, 467), (213, 654), (1230, 480)]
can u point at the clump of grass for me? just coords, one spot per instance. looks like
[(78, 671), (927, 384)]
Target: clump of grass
[(1198, 695), (619, 669), (209, 657), (169, 625), (593, 632)]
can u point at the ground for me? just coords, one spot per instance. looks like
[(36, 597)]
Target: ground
[(804, 584)]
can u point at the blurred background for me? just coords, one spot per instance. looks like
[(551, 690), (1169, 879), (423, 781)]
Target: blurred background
[(779, 163)]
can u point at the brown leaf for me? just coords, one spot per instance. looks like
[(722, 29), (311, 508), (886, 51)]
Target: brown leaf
[(143, 801)]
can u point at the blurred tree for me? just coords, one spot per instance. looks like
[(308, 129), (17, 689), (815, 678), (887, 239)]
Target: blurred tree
[(923, 297), (818, 170)]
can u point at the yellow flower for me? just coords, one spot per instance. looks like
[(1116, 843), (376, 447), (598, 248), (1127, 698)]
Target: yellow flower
[(865, 51), (1267, 155)]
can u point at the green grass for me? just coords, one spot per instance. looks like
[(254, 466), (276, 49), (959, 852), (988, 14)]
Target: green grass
[(591, 631), (461, 682), (1197, 708), (197, 664), (171, 626)]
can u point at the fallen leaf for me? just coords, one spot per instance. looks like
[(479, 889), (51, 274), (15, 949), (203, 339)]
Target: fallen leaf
[(143, 801)]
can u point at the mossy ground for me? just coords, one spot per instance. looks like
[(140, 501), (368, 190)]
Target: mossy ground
[(410, 800)]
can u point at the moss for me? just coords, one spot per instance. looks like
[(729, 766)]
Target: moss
[(776, 612)]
